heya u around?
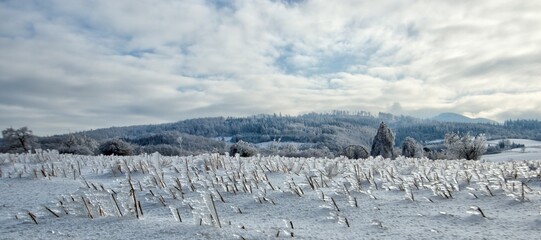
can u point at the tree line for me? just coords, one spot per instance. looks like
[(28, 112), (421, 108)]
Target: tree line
[(172, 143), (315, 134)]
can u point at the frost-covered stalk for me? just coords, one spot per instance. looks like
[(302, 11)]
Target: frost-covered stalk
[(136, 203), (89, 213), (477, 209), (176, 213), (343, 220), (409, 194), (353, 201), (289, 228), (33, 217), (335, 205), (209, 201), (52, 212), (116, 204), (488, 190), (522, 195), (140, 208)]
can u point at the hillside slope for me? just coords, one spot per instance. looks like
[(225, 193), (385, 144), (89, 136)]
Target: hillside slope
[(457, 118), (330, 132)]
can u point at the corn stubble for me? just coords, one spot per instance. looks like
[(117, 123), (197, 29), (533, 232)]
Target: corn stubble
[(201, 186)]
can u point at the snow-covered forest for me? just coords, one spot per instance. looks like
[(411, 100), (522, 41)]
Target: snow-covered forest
[(309, 135)]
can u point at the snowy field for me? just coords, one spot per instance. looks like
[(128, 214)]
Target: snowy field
[(532, 151), (51, 196)]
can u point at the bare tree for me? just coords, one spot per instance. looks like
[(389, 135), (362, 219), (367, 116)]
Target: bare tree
[(465, 147), (19, 140)]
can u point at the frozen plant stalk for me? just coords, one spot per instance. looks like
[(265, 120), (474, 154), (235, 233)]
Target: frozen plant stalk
[(209, 200)]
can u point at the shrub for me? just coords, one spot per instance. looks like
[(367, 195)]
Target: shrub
[(356, 152), (410, 148), (116, 147), (244, 149)]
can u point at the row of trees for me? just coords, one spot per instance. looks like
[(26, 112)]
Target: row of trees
[(166, 143), (172, 143), (23, 140), (456, 147), (327, 134), (502, 145)]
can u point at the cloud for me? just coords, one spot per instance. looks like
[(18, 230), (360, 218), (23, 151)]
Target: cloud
[(65, 68)]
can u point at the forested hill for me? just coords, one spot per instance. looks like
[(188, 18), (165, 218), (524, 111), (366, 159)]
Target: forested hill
[(332, 130), (314, 134), (336, 128)]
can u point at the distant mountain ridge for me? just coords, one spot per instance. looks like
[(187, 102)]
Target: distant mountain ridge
[(458, 118)]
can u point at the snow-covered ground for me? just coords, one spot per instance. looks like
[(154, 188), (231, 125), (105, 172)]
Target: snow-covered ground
[(526, 142), (220, 197), (532, 151)]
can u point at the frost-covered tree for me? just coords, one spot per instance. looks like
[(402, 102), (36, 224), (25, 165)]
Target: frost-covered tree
[(78, 144), (116, 147), (383, 142), (18, 140), (244, 149), (465, 147), (356, 152), (411, 148)]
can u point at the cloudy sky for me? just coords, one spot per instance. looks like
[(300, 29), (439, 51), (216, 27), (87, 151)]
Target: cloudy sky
[(67, 66)]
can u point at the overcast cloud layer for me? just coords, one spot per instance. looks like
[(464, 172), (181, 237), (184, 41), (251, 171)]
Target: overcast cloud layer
[(76, 65)]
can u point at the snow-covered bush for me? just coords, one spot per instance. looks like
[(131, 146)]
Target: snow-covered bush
[(244, 149), (116, 147), (410, 148), (356, 152)]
